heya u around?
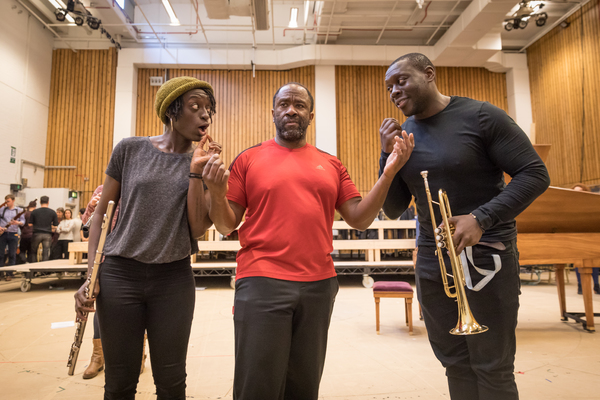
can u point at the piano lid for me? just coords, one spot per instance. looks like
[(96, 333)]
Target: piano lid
[(560, 210)]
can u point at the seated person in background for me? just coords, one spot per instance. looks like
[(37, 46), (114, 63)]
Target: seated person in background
[(580, 187)]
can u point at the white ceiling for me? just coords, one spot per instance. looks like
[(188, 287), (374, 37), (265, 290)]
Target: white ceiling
[(332, 22)]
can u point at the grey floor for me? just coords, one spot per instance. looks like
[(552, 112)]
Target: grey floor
[(555, 360)]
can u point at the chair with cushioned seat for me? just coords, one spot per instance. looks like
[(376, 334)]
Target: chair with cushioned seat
[(398, 290)]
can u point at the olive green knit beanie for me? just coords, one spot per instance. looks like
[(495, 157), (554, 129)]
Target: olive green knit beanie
[(172, 89)]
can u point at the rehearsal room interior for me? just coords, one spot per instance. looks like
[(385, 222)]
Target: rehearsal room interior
[(300, 200)]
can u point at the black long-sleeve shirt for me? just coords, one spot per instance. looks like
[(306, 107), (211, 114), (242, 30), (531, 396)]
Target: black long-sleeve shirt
[(466, 147)]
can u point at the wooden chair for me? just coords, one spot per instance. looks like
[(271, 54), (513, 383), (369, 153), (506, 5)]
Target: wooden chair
[(397, 290)]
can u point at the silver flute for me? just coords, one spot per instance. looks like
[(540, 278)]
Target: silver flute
[(86, 227), (89, 291)]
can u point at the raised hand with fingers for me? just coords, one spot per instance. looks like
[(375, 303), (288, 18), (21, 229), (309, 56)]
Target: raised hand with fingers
[(201, 156), (401, 151), (390, 128), (216, 176)]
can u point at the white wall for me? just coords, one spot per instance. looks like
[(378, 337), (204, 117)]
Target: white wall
[(58, 197), (25, 69), (325, 109)]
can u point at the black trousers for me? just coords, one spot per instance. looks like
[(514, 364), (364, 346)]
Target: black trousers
[(46, 240), (11, 240), (25, 247), (136, 297), (62, 247), (478, 367), (96, 327), (281, 337)]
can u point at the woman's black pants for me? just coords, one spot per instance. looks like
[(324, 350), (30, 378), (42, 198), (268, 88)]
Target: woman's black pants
[(134, 298)]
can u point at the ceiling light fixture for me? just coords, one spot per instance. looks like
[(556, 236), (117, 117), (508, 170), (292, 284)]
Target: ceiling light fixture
[(171, 12), (307, 7), (60, 4), (293, 18)]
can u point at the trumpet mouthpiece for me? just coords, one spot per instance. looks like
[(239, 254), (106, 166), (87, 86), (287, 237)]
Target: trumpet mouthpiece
[(424, 174)]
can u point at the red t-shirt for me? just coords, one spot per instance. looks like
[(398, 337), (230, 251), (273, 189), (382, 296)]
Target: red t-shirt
[(290, 196)]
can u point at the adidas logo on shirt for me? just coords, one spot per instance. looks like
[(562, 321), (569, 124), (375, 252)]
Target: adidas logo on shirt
[(320, 167)]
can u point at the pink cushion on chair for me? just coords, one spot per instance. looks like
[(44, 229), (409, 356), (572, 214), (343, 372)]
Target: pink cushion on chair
[(392, 286)]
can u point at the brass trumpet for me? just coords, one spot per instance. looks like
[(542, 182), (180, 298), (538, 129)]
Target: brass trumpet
[(467, 325)]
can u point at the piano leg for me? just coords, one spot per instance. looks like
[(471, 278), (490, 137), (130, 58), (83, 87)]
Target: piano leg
[(585, 270), (586, 288), (560, 287)]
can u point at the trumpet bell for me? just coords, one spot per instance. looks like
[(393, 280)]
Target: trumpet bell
[(468, 328), (467, 324)]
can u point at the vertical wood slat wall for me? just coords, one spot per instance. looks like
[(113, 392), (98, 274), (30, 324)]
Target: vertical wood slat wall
[(565, 97), (81, 119), (244, 104), (363, 102)]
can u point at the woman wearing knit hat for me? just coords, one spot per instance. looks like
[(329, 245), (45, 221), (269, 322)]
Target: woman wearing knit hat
[(146, 280)]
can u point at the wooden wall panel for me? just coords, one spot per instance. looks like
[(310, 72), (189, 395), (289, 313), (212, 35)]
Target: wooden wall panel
[(81, 119), (244, 104), (363, 102), (565, 97)]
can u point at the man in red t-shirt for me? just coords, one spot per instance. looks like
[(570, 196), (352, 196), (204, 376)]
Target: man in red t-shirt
[(286, 282)]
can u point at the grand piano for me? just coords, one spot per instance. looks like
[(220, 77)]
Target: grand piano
[(562, 227)]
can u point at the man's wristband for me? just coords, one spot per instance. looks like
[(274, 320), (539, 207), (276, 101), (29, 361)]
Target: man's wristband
[(478, 222), (195, 176)]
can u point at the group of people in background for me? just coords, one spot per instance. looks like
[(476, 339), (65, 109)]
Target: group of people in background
[(23, 230)]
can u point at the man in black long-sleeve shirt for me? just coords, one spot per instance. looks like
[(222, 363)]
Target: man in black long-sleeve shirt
[(466, 145)]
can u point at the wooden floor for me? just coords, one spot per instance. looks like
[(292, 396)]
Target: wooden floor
[(555, 360)]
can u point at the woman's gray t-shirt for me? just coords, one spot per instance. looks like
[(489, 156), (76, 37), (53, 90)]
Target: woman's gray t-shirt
[(152, 225)]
